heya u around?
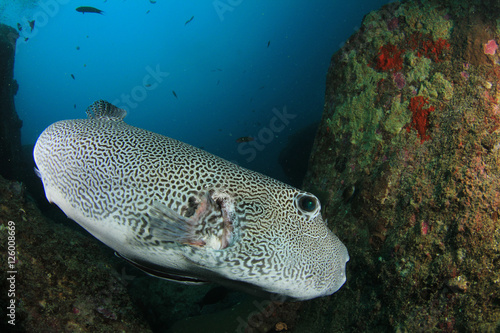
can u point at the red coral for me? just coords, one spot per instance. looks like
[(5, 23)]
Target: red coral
[(420, 117), (427, 47), (434, 49), (389, 58)]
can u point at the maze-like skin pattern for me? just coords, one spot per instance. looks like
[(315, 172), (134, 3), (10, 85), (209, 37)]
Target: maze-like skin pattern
[(167, 204)]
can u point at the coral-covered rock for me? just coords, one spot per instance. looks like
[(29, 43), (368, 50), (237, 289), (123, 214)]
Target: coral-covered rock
[(418, 209), (56, 279)]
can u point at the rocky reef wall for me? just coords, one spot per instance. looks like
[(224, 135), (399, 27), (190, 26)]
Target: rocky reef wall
[(407, 164), (55, 278), (10, 124)]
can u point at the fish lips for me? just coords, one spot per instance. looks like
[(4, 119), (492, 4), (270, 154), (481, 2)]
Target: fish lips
[(328, 256)]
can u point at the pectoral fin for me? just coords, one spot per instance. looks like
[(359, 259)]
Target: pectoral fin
[(169, 225), (209, 224)]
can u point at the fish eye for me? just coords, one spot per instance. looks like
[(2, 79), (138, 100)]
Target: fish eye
[(308, 203)]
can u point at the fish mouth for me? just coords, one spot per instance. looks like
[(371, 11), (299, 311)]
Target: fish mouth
[(339, 273)]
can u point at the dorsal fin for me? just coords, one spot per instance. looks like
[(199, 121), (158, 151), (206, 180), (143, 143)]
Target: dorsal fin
[(106, 111)]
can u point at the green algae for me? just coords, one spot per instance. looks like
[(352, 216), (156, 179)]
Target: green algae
[(357, 117), (352, 117), (397, 117), (419, 67), (376, 30), (437, 88), (361, 74), (427, 18)]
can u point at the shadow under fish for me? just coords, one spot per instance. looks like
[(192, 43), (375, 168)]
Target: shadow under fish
[(87, 9)]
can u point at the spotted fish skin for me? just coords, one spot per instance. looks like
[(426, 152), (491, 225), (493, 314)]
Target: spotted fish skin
[(176, 209)]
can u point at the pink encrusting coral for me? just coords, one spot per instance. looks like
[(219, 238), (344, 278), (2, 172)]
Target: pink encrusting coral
[(399, 80), (490, 47), (393, 24), (424, 228)]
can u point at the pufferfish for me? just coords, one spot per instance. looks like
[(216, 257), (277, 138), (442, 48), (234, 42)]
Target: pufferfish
[(183, 214)]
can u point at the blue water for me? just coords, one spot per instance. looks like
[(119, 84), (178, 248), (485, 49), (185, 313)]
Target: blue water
[(235, 67)]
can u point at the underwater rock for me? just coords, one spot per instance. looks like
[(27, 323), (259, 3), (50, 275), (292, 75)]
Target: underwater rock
[(10, 124), (57, 278), (411, 172)]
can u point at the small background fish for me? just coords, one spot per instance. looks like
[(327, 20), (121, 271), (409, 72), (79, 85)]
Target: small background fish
[(245, 139), (87, 9)]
